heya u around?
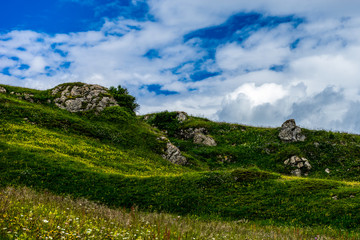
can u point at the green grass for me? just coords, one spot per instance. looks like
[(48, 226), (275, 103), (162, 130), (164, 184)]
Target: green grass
[(25, 214), (246, 146), (114, 158)]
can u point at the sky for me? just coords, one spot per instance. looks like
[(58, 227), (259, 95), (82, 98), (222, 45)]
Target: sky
[(250, 62)]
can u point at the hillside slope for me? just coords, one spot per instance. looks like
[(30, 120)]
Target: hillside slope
[(115, 158)]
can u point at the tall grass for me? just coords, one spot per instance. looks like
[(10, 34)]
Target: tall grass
[(26, 214)]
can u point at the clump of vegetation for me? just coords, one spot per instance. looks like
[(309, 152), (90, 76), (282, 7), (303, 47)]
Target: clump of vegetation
[(248, 175), (165, 121), (123, 98)]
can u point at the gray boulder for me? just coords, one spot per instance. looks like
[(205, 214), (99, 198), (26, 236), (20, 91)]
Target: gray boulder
[(202, 139), (199, 136), (2, 90), (189, 133), (301, 165), (83, 97), (173, 154), (290, 132), (181, 116), (28, 97)]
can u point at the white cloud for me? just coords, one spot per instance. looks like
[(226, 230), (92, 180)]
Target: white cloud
[(318, 84), (37, 64), (257, 95)]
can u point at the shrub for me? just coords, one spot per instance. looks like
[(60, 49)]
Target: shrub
[(116, 114), (123, 98), (166, 121)]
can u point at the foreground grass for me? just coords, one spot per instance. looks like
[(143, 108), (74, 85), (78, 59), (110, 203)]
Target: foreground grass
[(26, 214)]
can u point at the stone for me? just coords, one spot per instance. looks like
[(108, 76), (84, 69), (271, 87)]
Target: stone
[(289, 132), (296, 172), (307, 164), (173, 154), (199, 136), (301, 166), (203, 139), (294, 159), (190, 132), (2, 90), (83, 97), (28, 97), (181, 116)]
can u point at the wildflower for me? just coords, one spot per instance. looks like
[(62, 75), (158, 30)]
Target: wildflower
[(88, 231), (45, 221)]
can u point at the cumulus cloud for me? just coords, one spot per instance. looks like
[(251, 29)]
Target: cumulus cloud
[(308, 70)]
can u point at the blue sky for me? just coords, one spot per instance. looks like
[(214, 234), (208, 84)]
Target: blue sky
[(251, 62)]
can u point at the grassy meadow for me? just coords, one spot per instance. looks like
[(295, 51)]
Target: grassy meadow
[(27, 214), (101, 176)]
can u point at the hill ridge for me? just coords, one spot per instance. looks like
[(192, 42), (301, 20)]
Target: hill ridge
[(116, 158)]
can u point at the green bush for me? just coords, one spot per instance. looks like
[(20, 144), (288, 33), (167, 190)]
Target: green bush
[(123, 98), (166, 121), (116, 114)]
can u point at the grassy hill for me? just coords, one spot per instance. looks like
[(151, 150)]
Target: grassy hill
[(115, 158)]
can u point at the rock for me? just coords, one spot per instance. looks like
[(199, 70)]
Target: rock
[(28, 97), (147, 117), (301, 165), (290, 132), (83, 97), (2, 90), (173, 154), (296, 172), (181, 116), (190, 132), (200, 138)]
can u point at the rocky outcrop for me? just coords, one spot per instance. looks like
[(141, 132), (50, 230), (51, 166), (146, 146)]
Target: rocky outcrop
[(2, 90), (199, 136), (301, 165), (172, 153), (82, 97), (28, 97), (290, 132), (189, 133), (181, 116), (25, 96)]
